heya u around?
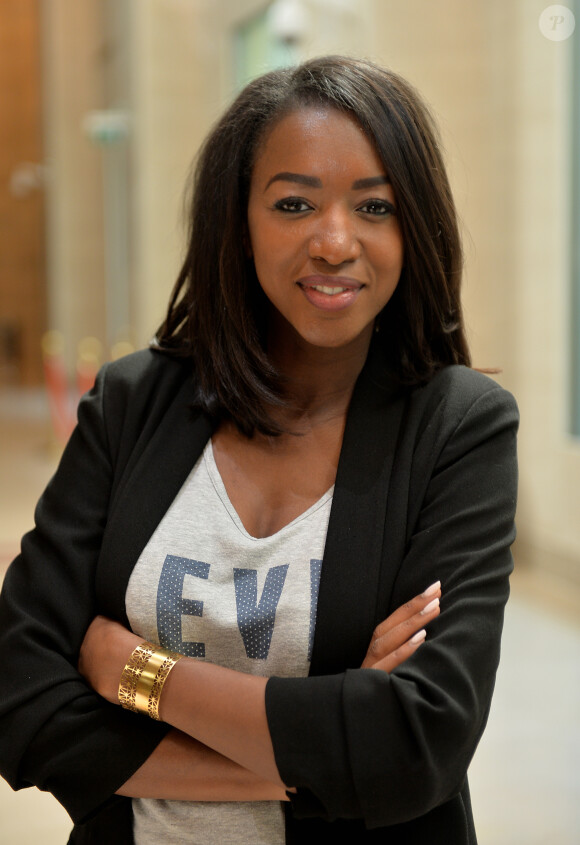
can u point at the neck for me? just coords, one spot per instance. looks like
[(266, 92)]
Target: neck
[(319, 380)]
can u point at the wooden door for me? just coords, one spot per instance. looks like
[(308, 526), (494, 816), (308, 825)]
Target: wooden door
[(22, 254)]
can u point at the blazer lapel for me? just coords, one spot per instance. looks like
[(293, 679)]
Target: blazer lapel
[(152, 484), (348, 593)]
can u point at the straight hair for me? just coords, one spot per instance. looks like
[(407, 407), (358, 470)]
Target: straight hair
[(217, 313)]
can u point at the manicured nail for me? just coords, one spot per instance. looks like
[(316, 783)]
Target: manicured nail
[(419, 637), (429, 607), (430, 591)]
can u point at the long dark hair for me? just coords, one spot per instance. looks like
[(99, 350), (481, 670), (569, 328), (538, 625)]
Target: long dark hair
[(217, 311)]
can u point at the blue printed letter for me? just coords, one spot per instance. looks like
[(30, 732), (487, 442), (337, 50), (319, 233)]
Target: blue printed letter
[(171, 605), (315, 570), (256, 621)]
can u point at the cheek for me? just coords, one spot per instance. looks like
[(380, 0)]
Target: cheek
[(260, 242), (388, 257), (262, 264), (274, 254), (390, 263), (266, 263), (393, 255)]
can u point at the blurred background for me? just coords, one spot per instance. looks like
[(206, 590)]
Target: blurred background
[(103, 104)]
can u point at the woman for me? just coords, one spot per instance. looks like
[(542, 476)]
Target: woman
[(304, 451)]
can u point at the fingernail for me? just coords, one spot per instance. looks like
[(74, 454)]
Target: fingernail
[(430, 591), (429, 607), (419, 637)]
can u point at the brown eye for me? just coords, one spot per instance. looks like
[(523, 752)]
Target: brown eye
[(292, 205), (378, 208)]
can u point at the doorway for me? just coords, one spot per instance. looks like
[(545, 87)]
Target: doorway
[(22, 237)]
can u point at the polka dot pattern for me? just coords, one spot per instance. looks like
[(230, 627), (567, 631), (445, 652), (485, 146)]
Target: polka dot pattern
[(171, 605), (315, 570), (256, 621)]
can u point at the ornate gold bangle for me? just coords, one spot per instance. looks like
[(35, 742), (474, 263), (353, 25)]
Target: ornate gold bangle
[(143, 678), (131, 674), (152, 680)]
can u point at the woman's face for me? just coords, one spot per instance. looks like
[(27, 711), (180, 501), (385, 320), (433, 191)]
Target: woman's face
[(323, 229)]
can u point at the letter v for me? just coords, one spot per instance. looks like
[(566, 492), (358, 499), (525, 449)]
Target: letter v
[(256, 621)]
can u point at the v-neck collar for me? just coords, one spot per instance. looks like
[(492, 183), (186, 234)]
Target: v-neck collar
[(221, 492), (351, 564)]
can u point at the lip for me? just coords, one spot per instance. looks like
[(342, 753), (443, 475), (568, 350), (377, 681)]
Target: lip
[(323, 291)]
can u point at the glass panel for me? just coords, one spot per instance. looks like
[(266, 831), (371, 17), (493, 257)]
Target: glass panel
[(575, 286), (257, 49)]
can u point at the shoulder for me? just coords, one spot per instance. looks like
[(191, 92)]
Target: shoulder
[(461, 413), (449, 394), (459, 387), (455, 412), (146, 366), (134, 394), (457, 392), (144, 379)]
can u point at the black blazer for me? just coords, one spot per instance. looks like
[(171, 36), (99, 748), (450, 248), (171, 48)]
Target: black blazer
[(425, 490)]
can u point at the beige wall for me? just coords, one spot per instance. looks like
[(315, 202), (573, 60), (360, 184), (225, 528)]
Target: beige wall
[(550, 459), (500, 91), (73, 85), (175, 96), (502, 94), (459, 60)]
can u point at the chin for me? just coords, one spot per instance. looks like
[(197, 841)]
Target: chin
[(338, 340)]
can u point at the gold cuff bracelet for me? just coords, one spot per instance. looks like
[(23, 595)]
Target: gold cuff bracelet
[(143, 678)]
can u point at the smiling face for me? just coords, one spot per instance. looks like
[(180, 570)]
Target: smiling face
[(323, 229)]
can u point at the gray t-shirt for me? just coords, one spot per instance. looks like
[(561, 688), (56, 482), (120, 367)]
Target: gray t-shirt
[(206, 588)]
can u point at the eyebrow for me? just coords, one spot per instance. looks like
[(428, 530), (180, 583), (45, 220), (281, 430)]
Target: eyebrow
[(315, 182), (371, 182), (301, 179)]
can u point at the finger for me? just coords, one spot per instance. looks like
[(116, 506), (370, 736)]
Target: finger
[(410, 608), (397, 657), (385, 644), (402, 632)]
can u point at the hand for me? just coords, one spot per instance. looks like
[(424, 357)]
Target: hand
[(401, 634), (105, 650)]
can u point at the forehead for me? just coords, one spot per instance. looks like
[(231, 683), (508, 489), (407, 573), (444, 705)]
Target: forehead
[(318, 137)]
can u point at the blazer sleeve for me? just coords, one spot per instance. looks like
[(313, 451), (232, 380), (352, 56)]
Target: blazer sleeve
[(387, 748), (55, 732)]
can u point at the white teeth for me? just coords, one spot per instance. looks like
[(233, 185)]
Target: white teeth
[(328, 291)]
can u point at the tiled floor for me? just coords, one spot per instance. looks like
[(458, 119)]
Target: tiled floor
[(525, 777)]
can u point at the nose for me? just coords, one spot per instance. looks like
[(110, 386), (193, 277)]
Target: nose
[(334, 239)]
